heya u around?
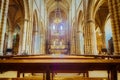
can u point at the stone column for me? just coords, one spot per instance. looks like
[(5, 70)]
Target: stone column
[(36, 42), (90, 34), (30, 33), (24, 46), (72, 43), (3, 22), (42, 43), (81, 43), (72, 47), (28, 37), (90, 38), (20, 41), (114, 9), (103, 40), (1, 2), (78, 43), (10, 38)]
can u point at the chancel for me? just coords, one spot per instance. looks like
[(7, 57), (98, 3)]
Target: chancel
[(59, 40)]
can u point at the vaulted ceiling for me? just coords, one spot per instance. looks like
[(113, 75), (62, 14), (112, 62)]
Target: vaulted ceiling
[(0, 3), (16, 12), (63, 5), (102, 15), (52, 4)]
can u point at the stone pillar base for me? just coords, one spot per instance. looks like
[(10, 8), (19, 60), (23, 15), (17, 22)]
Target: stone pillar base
[(116, 53), (1, 53)]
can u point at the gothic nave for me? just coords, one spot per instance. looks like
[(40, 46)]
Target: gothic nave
[(50, 36)]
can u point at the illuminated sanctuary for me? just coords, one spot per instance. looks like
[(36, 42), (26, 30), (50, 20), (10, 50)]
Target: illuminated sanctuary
[(59, 39)]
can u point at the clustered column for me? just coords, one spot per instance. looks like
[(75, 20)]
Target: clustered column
[(77, 42), (3, 20), (28, 33), (24, 46), (10, 38), (90, 38), (72, 43), (114, 9), (36, 42), (43, 46)]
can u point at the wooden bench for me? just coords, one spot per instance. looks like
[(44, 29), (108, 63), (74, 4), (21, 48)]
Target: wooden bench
[(5, 78), (66, 78), (28, 78), (82, 78), (59, 64)]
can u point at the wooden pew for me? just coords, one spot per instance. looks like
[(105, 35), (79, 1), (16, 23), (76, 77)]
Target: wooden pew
[(59, 63), (28, 78), (5, 79), (67, 78), (83, 78)]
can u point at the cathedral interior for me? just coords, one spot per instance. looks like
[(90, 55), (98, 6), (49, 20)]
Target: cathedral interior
[(59, 39)]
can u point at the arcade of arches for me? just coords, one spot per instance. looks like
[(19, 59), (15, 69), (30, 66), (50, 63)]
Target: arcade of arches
[(77, 27), (59, 26)]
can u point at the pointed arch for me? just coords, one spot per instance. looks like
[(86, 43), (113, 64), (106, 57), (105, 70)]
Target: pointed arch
[(98, 3), (35, 34), (35, 21), (24, 37), (80, 32)]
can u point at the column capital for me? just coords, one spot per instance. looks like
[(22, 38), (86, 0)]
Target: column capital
[(26, 20), (10, 29), (90, 20), (103, 32), (35, 32)]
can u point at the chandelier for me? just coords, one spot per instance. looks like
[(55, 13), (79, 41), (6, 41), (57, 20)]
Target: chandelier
[(57, 18)]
